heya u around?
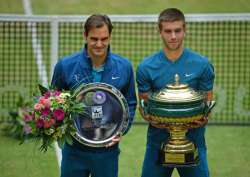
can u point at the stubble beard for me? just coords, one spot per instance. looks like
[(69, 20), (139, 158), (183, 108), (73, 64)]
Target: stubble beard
[(99, 54), (173, 48)]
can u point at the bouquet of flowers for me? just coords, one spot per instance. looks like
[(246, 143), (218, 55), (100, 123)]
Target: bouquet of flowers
[(15, 126), (49, 119)]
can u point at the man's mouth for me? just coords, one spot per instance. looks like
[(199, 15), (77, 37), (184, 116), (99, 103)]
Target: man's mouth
[(99, 49), (173, 42)]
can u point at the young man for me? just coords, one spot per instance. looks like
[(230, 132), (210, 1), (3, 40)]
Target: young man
[(95, 63), (158, 70)]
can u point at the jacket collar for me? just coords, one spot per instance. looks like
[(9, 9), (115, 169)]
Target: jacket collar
[(86, 62)]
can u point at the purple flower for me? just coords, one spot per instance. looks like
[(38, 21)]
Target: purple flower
[(27, 129), (39, 123), (33, 114), (57, 93), (47, 95), (58, 114), (45, 112)]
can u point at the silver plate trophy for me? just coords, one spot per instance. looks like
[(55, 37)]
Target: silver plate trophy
[(106, 114)]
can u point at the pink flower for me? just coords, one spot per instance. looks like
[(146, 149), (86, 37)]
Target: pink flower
[(60, 100), (45, 112), (38, 106), (41, 99), (58, 114), (44, 101), (49, 123), (52, 121), (39, 123), (27, 117)]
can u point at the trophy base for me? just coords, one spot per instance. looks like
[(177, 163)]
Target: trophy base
[(175, 157), (178, 160)]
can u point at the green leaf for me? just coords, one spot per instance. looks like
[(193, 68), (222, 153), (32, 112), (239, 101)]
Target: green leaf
[(61, 142), (20, 101), (13, 114), (79, 107), (42, 89), (69, 139)]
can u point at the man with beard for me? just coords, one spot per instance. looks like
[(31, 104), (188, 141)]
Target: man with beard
[(95, 63)]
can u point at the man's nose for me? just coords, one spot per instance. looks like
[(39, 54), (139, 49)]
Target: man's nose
[(173, 35), (98, 43)]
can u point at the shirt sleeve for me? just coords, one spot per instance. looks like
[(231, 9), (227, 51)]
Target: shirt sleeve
[(130, 96), (58, 77), (142, 80), (207, 78)]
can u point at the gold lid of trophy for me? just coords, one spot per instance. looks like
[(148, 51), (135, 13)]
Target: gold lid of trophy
[(177, 93)]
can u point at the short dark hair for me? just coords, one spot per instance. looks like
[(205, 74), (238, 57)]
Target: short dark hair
[(170, 15), (97, 21)]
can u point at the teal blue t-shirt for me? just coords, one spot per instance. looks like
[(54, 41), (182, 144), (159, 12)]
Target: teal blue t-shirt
[(97, 73)]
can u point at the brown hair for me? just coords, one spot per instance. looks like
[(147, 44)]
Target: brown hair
[(97, 21), (170, 15)]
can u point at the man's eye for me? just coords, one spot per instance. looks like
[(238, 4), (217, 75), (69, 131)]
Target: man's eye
[(104, 39), (178, 30), (168, 31), (94, 39)]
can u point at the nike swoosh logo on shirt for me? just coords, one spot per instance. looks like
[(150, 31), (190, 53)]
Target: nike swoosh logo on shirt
[(187, 75), (113, 78)]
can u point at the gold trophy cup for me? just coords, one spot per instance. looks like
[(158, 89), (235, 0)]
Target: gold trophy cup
[(177, 106)]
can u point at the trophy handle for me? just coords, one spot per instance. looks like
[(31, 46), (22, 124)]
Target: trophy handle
[(144, 106), (209, 106)]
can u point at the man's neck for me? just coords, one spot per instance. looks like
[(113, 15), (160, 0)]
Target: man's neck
[(97, 61), (173, 55)]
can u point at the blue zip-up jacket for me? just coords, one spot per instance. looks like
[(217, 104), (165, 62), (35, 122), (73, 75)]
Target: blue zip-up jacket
[(76, 69)]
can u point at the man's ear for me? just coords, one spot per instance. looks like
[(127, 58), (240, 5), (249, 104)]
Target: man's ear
[(158, 29), (85, 36), (185, 29)]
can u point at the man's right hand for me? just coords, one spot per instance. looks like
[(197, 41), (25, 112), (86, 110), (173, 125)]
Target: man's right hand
[(151, 120), (147, 117)]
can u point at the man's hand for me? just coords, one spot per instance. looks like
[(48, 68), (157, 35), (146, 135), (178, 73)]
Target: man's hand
[(199, 123), (115, 140), (150, 119), (160, 125)]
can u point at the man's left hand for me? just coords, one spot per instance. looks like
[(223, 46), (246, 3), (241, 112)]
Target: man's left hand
[(115, 140), (199, 123)]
